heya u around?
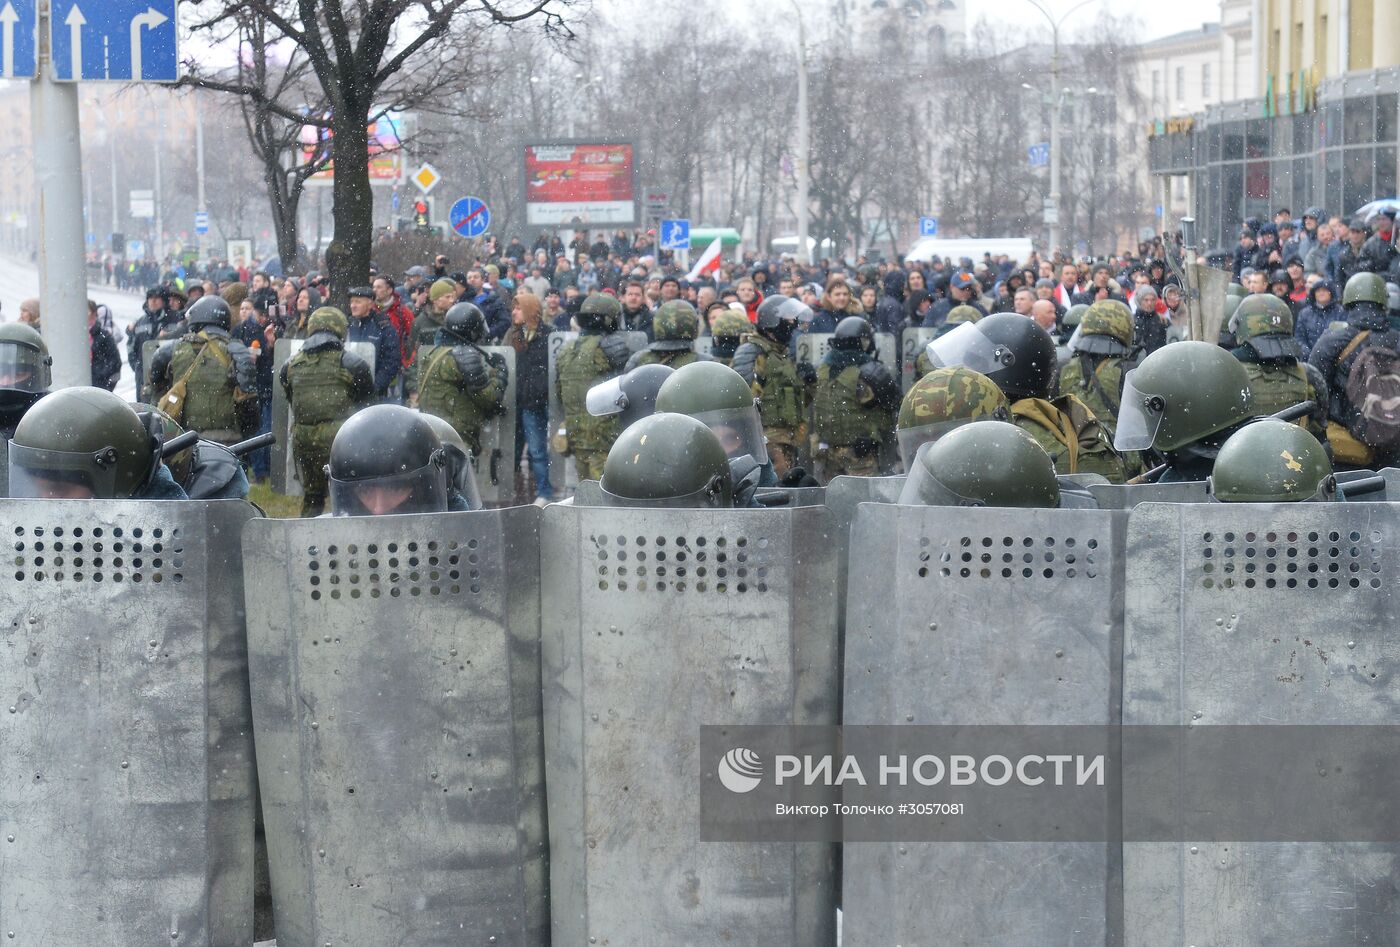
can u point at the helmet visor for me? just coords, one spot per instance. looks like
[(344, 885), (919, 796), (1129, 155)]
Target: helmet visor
[(922, 488), (795, 309), (606, 398), (464, 481), (911, 439), (740, 431), (419, 491), (717, 492), (62, 475), (1276, 346), (1139, 416), (968, 347), (23, 368)]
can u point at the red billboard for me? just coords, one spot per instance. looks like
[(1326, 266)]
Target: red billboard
[(590, 183)]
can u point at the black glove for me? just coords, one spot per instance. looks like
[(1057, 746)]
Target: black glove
[(472, 364), (798, 477), (615, 349), (882, 383), (807, 372)]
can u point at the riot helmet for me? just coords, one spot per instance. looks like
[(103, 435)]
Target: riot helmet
[(667, 460), (1105, 328), (1180, 394), (854, 334), (1264, 322), (387, 459), (942, 400), (675, 327), (726, 331), (1272, 461), (1011, 350), (600, 312), (82, 444), (990, 463), (778, 317), (718, 396), (1364, 288), (153, 417), (631, 396), (466, 322), (208, 311), (25, 363), (962, 313), (328, 319), (461, 477)]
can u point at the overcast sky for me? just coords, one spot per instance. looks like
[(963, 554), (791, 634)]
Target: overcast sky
[(1157, 18)]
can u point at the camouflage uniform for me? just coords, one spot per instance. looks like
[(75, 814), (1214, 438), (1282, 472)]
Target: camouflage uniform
[(783, 396), (946, 398), (851, 413), (728, 329), (674, 330), (956, 316), (1071, 435), (1094, 373), (221, 391), (1278, 376), (596, 355)]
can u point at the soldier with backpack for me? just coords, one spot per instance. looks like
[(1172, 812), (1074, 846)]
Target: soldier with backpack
[(1361, 363), (207, 381), (1278, 376)]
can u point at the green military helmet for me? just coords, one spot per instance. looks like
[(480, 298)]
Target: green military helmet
[(1264, 322), (1232, 305), (717, 395), (210, 311), (1365, 288), (25, 363), (991, 463), (1074, 315), (460, 476), (1272, 461), (1236, 289), (667, 460), (600, 311), (83, 443), (1181, 393), (675, 326), (1106, 329), (180, 463), (328, 319), (962, 314), (944, 399), (730, 324)]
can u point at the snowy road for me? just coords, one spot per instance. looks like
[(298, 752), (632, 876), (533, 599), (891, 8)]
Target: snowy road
[(19, 280)]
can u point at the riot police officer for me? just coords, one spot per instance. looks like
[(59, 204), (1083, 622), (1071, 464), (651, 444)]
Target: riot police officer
[(1278, 376), (461, 478), (944, 399), (1272, 461), (25, 373), (157, 323), (668, 460), (719, 398), (88, 444), (956, 317), (629, 397), (674, 329), (783, 385), (1099, 358), (325, 385), (1183, 402), (1336, 353), (597, 354), (386, 460), (459, 381), (990, 463), (1019, 356), (204, 470), (853, 408), (208, 381), (727, 331)]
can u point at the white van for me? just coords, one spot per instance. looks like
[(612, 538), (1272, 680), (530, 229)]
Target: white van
[(974, 248)]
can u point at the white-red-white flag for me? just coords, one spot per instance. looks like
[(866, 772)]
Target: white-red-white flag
[(708, 263)]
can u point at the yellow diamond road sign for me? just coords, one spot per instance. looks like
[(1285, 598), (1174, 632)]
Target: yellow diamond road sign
[(426, 178)]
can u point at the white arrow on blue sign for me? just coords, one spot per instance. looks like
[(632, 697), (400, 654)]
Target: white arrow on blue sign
[(118, 40), (1038, 155), (675, 235), (928, 226), (201, 221), (19, 39), (469, 217)]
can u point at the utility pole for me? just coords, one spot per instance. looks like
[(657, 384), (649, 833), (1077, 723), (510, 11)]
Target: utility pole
[(58, 173), (157, 240), (804, 250), (199, 173)]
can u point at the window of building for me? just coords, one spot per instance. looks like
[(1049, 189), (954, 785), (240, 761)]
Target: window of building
[(1180, 83), (1385, 116), (1320, 45), (1156, 87), (1385, 172), (1205, 81)]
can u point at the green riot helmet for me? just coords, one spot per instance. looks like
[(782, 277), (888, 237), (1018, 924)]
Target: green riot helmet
[(1364, 288), (328, 319), (1105, 329), (990, 463), (675, 327), (942, 400), (81, 444), (209, 312), (667, 460), (466, 322), (1007, 347), (1074, 315), (600, 312), (1264, 322), (631, 396), (854, 334), (962, 313), (717, 395), (387, 459), (1232, 306), (1272, 461), (25, 363), (461, 478), (151, 416), (727, 331), (778, 317), (1235, 289), (1180, 394)]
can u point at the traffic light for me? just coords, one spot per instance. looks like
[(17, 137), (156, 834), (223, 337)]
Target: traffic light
[(420, 214)]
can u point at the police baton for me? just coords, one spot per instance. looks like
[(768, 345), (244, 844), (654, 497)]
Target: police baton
[(253, 443), (177, 444)]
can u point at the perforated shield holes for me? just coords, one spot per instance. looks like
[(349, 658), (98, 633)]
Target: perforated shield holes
[(727, 565), (410, 568), (66, 552), (1289, 559), (1005, 556)]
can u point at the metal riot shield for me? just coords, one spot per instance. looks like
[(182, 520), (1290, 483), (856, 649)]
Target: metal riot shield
[(495, 468), (4, 466), (285, 477), (563, 478), (395, 680), (912, 344), (1122, 496), (812, 347), (588, 493), (148, 354), (960, 616), (704, 344), (656, 621), (1260, 615), (790, 496), (1211, 284), (128, 792), (843, 495)]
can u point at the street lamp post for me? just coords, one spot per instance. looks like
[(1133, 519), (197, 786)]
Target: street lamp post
[(804, 250), (579, 91)]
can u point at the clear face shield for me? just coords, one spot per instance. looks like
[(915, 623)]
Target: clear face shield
[(922, 488), (418, 491), (966, 346), (740, 431), (912, 439), (1139, 417), (23, 368), (62, 475), (606, 398), (792, 314), (462, 477)]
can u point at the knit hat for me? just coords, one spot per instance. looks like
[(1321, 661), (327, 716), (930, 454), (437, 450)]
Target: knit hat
[(441, 288)]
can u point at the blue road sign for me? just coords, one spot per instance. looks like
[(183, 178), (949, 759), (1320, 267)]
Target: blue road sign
[(1038, 155), (675, 235), (201, 221), (928, 226), (120, 40), (469, 217), (19, 39)]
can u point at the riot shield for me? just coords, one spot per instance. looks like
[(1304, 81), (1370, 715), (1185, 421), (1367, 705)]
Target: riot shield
[(1122, 496), (395, 679), (812, 347), (959, 616), (562, 475), (148, 354), (1262, 615), (495, 468), (704, 344), (912, 344), (128, 793), (843, 495), (656, 621), (285, 477), (590, 493)]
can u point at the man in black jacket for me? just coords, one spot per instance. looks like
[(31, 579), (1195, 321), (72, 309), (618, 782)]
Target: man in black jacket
[(106, 359)]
